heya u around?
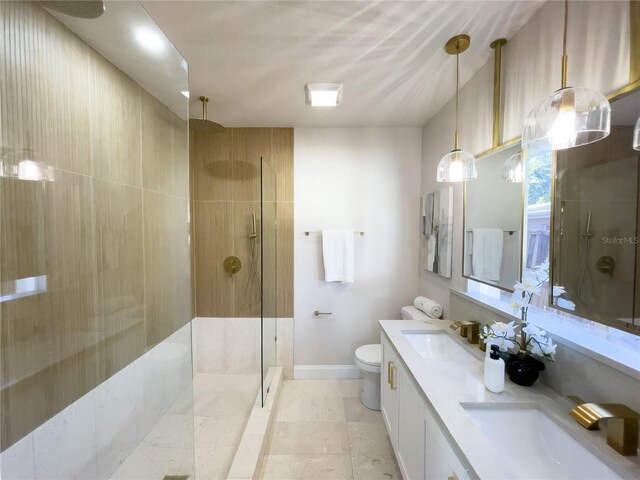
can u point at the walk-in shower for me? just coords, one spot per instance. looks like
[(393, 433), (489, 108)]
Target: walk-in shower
[(595, 233), (95, 271)]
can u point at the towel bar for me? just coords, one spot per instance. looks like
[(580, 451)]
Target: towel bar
[(307, 234)]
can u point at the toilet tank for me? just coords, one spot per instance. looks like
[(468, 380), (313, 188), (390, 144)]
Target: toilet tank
[(412, 313)]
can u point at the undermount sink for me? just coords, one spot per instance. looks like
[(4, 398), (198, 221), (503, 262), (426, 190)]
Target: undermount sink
[(437, 345), (545, 450)]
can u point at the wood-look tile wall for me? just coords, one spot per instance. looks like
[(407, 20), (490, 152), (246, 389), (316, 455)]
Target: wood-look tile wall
[(225, 170), (110, 233)]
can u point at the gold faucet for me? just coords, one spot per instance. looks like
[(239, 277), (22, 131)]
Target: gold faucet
[(469, 329), (622, 423)]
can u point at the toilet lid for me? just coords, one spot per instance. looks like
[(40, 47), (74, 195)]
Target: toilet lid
[(370, 354)]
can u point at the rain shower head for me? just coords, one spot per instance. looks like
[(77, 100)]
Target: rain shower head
[(202, 124), (76, 8)]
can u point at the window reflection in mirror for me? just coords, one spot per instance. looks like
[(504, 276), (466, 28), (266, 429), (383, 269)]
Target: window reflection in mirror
[(596, 223), (537, 218)]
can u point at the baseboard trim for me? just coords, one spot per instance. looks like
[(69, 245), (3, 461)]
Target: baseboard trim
[(318, 372)]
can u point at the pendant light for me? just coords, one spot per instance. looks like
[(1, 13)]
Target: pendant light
[(569, 117), (457, 165), (512, 170), (636, 136)]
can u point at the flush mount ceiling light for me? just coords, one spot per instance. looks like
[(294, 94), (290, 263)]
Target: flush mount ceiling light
[(512, 170), (636, 136), (457, 165), (324, 94), (569, 117)]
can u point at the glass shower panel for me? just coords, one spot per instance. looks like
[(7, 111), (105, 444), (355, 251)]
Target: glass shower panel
[(269, 275), (95, 302)]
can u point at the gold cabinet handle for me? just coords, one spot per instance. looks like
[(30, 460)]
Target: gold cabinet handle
[(452, 477), (393, 376), (389, 372)]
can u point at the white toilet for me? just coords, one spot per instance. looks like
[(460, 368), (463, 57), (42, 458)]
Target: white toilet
[(368, 359)]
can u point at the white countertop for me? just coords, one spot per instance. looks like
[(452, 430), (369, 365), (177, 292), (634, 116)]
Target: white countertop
[(446, 384)]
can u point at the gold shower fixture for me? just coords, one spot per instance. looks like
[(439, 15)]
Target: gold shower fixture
[(203, 124)]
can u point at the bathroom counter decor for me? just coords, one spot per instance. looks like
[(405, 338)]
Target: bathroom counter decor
[(522, 366), (448, 378)]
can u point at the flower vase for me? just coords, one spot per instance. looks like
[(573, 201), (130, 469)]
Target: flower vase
[(523, 371)]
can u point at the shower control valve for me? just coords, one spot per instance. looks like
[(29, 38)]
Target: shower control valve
[(606, 265), (232, 265)]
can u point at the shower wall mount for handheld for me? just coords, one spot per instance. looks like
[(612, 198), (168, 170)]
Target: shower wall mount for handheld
[(252, 289), (587, 295)]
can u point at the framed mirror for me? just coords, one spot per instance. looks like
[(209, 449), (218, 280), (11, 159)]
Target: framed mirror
[(594, 254), (492, 221)]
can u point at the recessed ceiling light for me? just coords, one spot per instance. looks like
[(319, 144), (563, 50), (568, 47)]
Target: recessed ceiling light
[(324, 94), (150, 39), (186, 94)]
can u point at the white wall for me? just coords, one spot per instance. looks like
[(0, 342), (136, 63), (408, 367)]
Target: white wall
[(598, 51), (367, 179)]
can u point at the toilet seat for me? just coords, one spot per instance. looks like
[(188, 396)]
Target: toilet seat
[(369, 357)]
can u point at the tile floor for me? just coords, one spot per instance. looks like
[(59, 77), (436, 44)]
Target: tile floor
[(220, 407), (322, 431)]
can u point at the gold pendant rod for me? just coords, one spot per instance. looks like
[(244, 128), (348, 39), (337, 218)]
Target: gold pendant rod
[(497, 90), (564, 45), (634, 47), (457, 84)]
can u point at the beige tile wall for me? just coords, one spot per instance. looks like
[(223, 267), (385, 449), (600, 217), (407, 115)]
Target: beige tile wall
[(110, 233), (225, 169)]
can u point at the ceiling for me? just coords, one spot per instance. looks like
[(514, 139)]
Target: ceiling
[(253, 59)]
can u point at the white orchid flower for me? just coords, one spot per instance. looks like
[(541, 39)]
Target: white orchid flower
[(558, 290), (544, 265), (542, 347), (504, 344), (534, 331), (518, 303), (528, 285)]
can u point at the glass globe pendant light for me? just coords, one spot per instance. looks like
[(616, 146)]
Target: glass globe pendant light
[(636, 136), (457, 165), (512, 170), (569, 117)]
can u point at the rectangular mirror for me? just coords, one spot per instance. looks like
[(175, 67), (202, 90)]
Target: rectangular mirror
[(493, 213), (595, 224)]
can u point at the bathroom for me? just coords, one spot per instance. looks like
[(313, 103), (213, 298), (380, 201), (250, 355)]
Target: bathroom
[(311, 239)]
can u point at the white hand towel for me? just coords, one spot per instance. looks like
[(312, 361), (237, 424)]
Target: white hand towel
[(430, 307), (338, 255), (486, 253)]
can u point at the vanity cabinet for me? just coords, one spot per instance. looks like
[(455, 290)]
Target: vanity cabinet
[(389, 390), (420, 445), (441, 460)]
